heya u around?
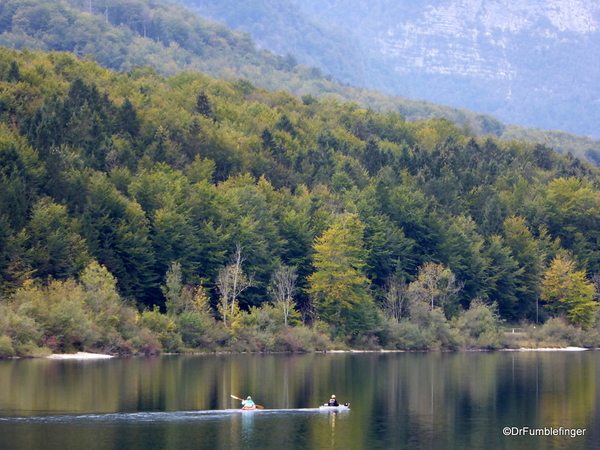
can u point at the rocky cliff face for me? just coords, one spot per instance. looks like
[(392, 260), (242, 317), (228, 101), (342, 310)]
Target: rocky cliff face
[(476, 37), (531, 62)]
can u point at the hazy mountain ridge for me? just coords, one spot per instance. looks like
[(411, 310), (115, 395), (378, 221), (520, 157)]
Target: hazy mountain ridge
[(530, 63), (284, 28), (123, 34)]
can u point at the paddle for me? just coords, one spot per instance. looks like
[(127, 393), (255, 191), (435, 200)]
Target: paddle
[(241, 399)]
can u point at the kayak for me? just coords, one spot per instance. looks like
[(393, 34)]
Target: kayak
[(249, 408), (344, 407)]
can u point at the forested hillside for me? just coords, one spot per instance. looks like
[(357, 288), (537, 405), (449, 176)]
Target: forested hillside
[(258, 220), (123, 34)]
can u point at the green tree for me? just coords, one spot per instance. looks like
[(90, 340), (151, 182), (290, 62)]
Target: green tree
[(462, 249), (101, 289), (501, 278), (117, 234), (14, 266), (128, 119), (14, 74), (252, 223), (178, 299), (56, 249), (573, 216), (174, 237), (529, 254)]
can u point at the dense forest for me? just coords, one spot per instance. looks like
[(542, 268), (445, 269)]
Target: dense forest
[(126, 34), (141, 213)]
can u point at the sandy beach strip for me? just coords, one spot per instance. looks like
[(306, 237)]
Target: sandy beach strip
[(547, 349), (79, 355)]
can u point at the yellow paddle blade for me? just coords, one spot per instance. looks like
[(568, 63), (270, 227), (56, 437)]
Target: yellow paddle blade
[(241, 399)]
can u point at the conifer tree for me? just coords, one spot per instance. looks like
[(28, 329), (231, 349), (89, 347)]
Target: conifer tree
[(267, 140), (203, 105), (14, 75), (128, 119)]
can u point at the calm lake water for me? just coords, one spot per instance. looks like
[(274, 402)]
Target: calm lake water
[(398, 401)]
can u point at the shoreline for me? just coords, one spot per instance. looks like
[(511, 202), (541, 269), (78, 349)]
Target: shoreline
[(79, 355), (94, 356), (548, 349)]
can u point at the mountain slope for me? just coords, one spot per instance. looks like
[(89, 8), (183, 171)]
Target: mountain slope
[(285, 28), (530, 63), (122, 34)]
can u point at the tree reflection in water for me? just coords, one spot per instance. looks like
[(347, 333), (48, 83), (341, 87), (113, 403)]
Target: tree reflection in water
[(399, 400)]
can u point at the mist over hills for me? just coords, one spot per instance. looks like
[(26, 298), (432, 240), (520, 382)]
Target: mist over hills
[(533, 63)]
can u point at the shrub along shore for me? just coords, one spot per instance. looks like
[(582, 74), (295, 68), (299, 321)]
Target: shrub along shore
[(88, 315)]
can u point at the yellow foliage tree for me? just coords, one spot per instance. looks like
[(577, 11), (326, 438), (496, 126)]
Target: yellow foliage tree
[(567, 292), (338, 283)]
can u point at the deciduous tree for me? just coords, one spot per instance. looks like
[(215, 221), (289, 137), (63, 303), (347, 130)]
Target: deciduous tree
[(231, 282), (339, 284), (395, 297), (435, 285), (567, 292), (281, 289)]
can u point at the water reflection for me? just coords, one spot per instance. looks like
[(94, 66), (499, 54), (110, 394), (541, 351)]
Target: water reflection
[(413, 401), (247, 427)]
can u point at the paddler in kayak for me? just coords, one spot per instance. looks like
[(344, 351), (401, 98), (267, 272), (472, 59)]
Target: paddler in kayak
[(248, 403), (333, 401)]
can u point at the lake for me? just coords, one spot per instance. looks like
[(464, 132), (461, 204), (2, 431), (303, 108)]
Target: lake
[(398, 401)]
